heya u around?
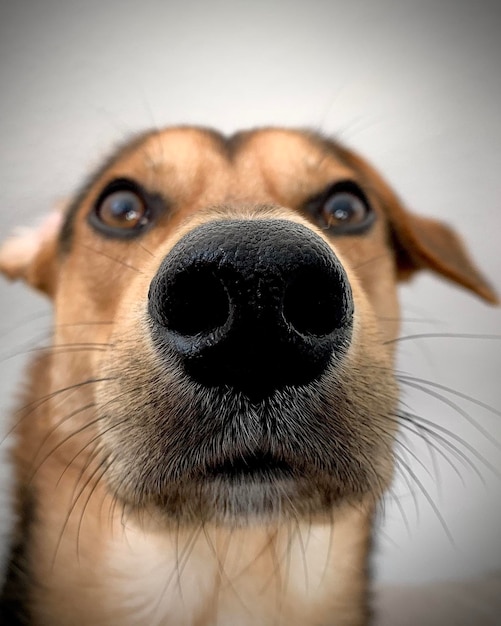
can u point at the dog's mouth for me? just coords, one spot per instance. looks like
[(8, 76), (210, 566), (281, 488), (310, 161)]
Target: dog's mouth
[(256, 467)]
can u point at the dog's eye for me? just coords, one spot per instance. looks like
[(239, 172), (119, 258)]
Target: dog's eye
[(342, 209), (122, 209)]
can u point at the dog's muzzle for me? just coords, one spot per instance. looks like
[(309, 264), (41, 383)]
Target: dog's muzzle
[(255, 305)]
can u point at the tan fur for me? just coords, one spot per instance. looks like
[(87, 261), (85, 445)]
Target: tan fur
[(92, 559)]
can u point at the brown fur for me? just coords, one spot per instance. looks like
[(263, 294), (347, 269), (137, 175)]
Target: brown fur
[(103, 416)]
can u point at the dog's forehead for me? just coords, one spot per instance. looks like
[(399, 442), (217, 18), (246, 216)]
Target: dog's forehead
[(269, 154)]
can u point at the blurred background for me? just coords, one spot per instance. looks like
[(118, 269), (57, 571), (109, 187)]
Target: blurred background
[(414, 86)]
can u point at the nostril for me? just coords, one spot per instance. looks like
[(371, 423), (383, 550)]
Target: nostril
[(314, 302), (195, 302)]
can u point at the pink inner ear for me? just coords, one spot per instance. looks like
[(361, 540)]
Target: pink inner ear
[(19, 251), (51, 225)]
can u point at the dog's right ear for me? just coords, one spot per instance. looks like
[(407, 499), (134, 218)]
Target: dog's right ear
[(30, 254)]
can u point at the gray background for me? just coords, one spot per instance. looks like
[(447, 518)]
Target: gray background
[(414, 86)]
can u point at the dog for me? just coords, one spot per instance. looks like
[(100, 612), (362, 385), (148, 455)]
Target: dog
[(208, 436)]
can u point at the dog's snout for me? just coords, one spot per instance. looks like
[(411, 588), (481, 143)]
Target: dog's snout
[(252, 304)]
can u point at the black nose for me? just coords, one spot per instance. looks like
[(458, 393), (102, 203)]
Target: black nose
[(253, 304)]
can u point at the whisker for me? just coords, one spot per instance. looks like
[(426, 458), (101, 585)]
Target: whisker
[(432, 428), (441, 336), (454, 392), (373, 259), (112, 258), (428, 498), (25, 346), (54, 428), (415, 457), (329, 547), (140, 245), (396, 499), (89, 443), (300, 539), (93, 323), (433, 449), (90, 478), (86, 504), (409, 320), (455, 406), (61, 443), (220, 559), (400, 460), (59, 349), (28, 409), (184, 556), (24, 322)]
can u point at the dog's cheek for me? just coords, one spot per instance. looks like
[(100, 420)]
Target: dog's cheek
[(369, 383), (371, 392), (129, 437)]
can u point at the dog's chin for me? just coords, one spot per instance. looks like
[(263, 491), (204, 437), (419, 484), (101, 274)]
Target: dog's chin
[(245, 493)]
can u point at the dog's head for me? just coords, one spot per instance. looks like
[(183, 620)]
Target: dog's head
[(237, 298)]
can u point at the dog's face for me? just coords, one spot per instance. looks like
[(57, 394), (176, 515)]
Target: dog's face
[(240, 297)]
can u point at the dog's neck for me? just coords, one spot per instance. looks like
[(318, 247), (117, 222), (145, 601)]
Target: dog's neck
[(206, 576)]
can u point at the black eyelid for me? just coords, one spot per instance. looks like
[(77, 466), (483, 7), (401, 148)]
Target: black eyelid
[(341, 186), (120, 184)]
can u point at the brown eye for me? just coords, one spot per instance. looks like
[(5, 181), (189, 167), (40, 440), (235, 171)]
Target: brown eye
[(342, 209), (125, 209), (122, 209)]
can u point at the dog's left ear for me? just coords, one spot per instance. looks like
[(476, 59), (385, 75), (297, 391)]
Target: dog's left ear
[(424, 243), (30, 254)]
